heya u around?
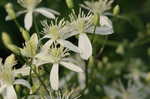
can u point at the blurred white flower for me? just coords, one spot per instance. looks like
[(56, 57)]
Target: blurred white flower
[(55, 54), (7, 78), (98, 8), (59, 32), (80, 24), (133, 91), (30, 6)]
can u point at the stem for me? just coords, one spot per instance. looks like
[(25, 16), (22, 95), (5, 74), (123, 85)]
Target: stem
[(93, 34), (36, 26), (41, 81), (103, 46)]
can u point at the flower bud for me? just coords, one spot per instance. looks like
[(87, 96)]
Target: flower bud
[(70, 4), (116, 10), (25, 34), (6, 38), (120, 49), (10, 10), (13, 48), (96, 19), (8, 43)]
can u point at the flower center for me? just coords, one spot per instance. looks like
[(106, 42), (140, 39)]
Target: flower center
[(54, 32), (58, 52), (29, 4)]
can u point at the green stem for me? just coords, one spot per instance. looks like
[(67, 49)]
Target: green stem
[(103, 46), (36, 26), (93, 34), (41, 81)]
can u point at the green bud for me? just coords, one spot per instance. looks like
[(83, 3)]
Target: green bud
[(96, 19), (116, 10), (91, 61), (70, 4), (10, 10), (120, 49), (13, 48), (8, 43), (6, 38), (25, 34)]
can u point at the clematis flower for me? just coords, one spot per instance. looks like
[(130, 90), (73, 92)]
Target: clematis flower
[(80, 24), (59, 32), (30, 6), (99, 8), (56, 55), (7, 78)]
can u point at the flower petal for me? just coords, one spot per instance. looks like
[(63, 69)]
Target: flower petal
[(69, 45), (47, 45), (71, 66), (45, 12), (54, 77), (10, 93), (28, 20), (23, 82), (105, 21), (85, 46), (2, 88), (24, 70)]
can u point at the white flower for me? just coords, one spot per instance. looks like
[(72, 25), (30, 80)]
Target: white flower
[(99, 8), (7, 78), (30, 6), (59, 32), (55, 54), (80, 24)]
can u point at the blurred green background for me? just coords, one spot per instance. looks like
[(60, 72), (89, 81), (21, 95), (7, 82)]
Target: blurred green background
[(126, 51)]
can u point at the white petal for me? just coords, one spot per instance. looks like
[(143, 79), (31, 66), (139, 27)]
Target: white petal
[(101, 30), (71, 66), (45, 12), (2, 88), (22, 82), (54, 77), (69, 45), (10, 93), (42, 58), (85, 46), (105, 21), (47, 45), (28, 20), (23, 71)]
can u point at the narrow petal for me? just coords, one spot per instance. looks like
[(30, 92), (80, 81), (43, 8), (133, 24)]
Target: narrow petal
[(54, 77), (71, 66), (47, 45), (69, 45), (42, 58), (10, 93), (105, 21), (2, 88), (85, 46), (28, 20), (24, 70), (45, 12), (22, 82)]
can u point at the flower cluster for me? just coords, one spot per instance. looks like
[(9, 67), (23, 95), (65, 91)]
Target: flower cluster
[(57, 49)]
